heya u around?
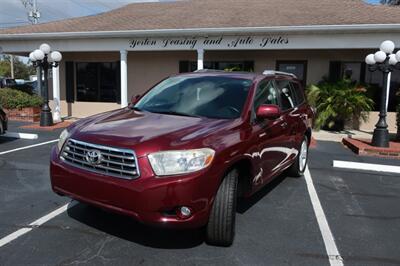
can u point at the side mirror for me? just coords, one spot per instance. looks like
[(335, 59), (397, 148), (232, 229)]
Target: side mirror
[(268, 111), (134, 99)]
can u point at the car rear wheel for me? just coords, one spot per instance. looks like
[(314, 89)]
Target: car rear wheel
[(299, 166), (221, 224)]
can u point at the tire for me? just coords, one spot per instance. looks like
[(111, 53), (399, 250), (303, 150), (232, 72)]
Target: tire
[(299, 166), (1, 127), (221, 224)]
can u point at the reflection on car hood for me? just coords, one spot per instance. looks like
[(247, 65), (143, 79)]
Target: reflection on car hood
[(126, 128)]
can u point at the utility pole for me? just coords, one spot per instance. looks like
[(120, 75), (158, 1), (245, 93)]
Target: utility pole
[(12, 65), (33, 11)]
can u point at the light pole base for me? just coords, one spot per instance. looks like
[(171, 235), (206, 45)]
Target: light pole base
[(380, 138), (56, 117), (46, 118)]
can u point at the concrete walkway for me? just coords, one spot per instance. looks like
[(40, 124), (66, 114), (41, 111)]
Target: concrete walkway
[(339, 135)]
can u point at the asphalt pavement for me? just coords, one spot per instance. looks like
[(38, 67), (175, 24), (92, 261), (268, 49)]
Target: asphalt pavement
[(277, 226)]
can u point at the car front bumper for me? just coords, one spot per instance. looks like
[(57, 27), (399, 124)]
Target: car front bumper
[(148, 199)]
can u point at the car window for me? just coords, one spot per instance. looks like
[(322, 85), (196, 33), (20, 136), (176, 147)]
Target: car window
[(299, 93), (286, 94), (266, 94), (204, 96)]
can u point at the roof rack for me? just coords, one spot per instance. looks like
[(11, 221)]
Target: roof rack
[(208, 70), (274, 72)]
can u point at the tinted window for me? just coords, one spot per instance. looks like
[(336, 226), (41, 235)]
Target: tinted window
[(205, 96), (266, 94), (287, 96), (299, 93), (97, 82)]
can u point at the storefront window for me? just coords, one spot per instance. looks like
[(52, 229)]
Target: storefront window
[(97, 82), (375, 80), (299, 68), (358, 72), (190, 66)]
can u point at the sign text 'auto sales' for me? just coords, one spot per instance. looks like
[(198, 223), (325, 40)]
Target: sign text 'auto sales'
[(222, 42)]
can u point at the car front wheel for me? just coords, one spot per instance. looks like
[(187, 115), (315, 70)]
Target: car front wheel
[(221, 224)]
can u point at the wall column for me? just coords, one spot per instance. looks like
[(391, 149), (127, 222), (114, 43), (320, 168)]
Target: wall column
[(56, 95), (200, 59), (124, 78)]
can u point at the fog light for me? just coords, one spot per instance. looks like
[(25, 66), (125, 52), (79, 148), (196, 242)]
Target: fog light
[(184, 212)]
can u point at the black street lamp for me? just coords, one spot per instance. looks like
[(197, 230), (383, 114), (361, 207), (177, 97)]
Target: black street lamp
[(43, 58), (385, 61)]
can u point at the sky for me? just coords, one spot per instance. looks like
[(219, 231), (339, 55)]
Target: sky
[(13, 13)]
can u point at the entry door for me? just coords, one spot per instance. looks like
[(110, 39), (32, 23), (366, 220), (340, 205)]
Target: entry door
[(271, 135), (299, 68)]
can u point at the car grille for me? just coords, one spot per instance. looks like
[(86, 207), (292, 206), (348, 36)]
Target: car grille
[(115, 162)]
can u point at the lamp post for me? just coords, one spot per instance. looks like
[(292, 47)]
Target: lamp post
[(385, 61), (44, 58)]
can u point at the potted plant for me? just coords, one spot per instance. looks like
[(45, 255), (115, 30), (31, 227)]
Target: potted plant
[(20, 105), (338, 104)]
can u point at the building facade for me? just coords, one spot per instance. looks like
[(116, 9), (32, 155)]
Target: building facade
[(110, 57)]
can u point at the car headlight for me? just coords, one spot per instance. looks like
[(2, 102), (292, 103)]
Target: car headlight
[(63, 137), (180, 162)]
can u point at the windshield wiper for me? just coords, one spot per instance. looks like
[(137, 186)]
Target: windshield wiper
[(173, 113)]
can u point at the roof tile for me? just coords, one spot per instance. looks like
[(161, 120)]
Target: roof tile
[(221, 14)]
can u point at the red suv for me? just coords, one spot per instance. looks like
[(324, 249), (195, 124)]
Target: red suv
[(181, 154)]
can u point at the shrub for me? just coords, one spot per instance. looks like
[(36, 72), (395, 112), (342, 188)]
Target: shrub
[(338, 102), (15, 99)]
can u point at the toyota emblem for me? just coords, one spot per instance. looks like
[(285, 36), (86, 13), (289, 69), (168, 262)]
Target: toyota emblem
[(94, 157)]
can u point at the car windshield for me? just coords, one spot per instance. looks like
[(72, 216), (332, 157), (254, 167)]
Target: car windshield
[(205, 96), (10, 81)]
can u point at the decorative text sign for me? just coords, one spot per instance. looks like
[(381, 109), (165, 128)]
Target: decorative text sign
[(221, 42)]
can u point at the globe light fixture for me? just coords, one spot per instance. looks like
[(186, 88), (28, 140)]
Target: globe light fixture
[(387, 47), (398, 56), (370, 59), (380, 56), (56, 56), (386, 62), (38, 55), (392, 59), (45, 48), (32, 57), (43, 58)]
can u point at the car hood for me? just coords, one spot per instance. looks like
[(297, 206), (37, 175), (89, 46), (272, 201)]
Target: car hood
[(148, 132)]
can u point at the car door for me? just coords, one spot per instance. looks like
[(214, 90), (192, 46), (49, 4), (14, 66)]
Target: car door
[(271, 135), (300, 113), (290, 113)]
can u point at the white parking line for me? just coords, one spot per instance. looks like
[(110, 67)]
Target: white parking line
[(367, 166), (28, 147), (331, 249), (20, 135), (7, 239)]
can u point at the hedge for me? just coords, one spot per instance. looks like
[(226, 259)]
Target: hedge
[(15, 99)]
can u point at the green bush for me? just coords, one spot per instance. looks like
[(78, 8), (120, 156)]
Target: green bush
[(15, 99), (338, 102)]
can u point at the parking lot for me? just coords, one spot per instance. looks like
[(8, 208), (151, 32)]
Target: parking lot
[(281, 225)]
